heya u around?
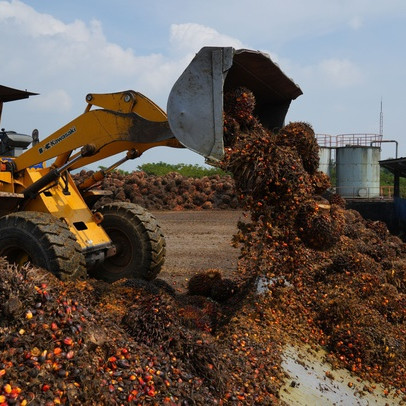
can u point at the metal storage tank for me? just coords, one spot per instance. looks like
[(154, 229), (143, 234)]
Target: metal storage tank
[(326, 158), (358, 171)]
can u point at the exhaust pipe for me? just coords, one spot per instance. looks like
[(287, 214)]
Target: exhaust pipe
[(195, 103)]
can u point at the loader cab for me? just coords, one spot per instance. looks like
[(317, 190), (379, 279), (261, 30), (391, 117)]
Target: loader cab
[(13, 144)]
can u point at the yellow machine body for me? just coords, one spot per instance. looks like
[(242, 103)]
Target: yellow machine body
[(128, 121)]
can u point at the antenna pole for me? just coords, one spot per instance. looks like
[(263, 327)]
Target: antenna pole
[(381, 120)]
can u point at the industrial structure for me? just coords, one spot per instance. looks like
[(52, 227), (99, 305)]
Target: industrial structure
[(353, 161)]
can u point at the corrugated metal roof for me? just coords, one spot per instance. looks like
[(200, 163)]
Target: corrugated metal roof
[(395, 166), (9, 94)]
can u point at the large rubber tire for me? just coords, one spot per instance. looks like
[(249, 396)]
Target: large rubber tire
[(44, 241), (140, 244)]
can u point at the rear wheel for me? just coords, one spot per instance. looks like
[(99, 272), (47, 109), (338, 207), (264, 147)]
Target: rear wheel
[(139, 242), (42, 240)]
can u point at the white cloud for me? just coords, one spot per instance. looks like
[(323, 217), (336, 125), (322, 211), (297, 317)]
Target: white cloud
[(44, 54), (56, 100), (187, 38), (329, 74), (356, 23), (36, 24), (78, 56), (340, 72)]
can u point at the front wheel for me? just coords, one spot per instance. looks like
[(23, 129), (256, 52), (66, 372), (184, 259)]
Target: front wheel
[(42, 240), (139, 242)]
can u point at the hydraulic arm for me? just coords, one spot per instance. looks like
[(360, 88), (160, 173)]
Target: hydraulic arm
[(127, 120)]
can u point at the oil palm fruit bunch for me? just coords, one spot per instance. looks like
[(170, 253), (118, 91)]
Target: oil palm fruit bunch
[(301, 136), (223, 290), (202, 283), (316, 227)]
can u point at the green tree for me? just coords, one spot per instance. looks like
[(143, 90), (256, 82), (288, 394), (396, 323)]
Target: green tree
[(188, 170)]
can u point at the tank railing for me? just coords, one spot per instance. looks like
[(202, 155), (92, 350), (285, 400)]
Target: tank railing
[(344, 140), (326, 140), (386, 191)]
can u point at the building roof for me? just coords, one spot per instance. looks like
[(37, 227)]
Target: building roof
[(9, 94), (395, 166)]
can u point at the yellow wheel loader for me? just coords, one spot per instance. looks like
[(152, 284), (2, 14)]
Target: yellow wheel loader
[(49, 221)]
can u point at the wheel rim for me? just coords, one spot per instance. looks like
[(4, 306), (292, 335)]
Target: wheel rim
[(124, 251)]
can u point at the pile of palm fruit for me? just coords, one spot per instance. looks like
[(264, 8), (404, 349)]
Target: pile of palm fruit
[(328, 278), (167, 192), (335, 279)]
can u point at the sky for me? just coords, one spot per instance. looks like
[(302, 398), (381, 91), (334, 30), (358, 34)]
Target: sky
[(347, 56)]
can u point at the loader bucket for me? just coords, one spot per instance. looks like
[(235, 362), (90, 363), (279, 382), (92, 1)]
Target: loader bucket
[(195, 103)]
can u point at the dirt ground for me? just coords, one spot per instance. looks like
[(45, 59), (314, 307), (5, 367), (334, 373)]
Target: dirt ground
[(197, 241)]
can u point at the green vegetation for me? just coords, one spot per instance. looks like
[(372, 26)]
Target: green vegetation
[(187, 170), (387, 182)]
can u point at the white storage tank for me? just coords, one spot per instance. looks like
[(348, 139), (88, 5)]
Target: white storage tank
[(358, 171), (326, 159)]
